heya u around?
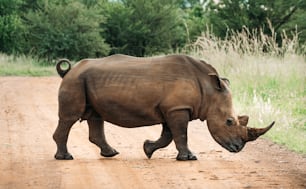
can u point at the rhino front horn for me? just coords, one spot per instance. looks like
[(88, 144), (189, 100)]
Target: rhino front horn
[(254, 133)]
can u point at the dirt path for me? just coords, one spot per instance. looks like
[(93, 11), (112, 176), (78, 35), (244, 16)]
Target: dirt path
[(28, 117)]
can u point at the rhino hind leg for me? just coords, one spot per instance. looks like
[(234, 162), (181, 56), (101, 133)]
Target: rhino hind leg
[(165, 139), (178, 122), (60, 137), (71, 107), (97, 136)]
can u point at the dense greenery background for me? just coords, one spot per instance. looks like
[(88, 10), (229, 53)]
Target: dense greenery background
[(76, 29)]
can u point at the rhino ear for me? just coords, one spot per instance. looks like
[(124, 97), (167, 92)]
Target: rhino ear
[(226, 81), (217, 83), (243, 120)]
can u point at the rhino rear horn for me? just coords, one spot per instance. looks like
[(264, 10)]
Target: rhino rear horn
[(254, 133)]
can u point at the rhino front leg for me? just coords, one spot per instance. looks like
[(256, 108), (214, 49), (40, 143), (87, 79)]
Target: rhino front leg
[(97, 136), (60, 137), (178, 122), (165, 139)]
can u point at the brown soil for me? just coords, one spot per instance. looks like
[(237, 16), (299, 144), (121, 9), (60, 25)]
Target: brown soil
[(28, 117)]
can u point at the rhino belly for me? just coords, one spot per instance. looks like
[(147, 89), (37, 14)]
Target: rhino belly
[(127, 106), (129, 116)]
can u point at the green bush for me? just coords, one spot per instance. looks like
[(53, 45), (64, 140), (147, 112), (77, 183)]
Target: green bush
[(68, 30), (283, 15), (11, 27), (140, 28)]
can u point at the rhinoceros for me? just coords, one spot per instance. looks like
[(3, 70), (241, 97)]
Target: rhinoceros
[(134, 92)]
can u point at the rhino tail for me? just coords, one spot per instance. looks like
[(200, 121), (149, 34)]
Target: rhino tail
[(62, 72)]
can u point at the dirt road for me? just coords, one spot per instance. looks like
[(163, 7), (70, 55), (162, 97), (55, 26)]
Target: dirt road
[(28, 117)]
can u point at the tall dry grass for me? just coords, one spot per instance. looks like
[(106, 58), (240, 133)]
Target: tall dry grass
[(268, 81)]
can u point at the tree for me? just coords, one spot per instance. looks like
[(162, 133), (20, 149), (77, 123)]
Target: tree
[(195, 19), (11, 27), (65, 29), (139, 27), (255, 14)]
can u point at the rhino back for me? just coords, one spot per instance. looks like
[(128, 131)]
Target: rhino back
[(136, 91)]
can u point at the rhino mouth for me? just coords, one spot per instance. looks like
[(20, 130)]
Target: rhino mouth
[(233, 147)]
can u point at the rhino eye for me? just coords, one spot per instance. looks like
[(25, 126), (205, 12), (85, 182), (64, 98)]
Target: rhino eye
[(229, 121)]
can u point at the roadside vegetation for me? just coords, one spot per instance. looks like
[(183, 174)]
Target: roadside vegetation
[(259, 45), (11, 65), (76, 29), (268, 86)]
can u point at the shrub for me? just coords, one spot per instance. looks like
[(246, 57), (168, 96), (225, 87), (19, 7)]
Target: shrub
[(138, 27), (11, 27), (68, 30)]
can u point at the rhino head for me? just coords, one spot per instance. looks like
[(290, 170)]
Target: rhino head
[(229, 130)]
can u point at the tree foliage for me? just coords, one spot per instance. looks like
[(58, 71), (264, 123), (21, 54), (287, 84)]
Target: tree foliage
[(195, 20), (11, 27), (67, 29), (76, 29), (277, 15), (139, 27)]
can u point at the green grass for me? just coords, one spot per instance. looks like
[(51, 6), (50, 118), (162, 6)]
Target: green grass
[(266, 86), (274, 91), (24, 66)]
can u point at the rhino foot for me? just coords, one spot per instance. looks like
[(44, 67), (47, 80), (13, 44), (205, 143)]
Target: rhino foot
[(109, 153), (185, 157), (64, 156), (149, 148)]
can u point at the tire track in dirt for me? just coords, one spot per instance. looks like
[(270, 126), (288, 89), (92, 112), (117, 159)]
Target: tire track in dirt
[(28, 117)]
